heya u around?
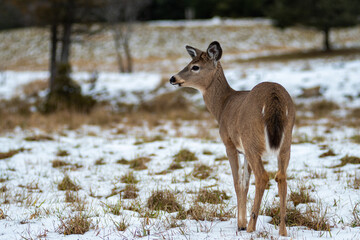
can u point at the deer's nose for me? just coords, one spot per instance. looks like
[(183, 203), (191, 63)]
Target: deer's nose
[(172, 80)]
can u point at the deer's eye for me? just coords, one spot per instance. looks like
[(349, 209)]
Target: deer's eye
[(195, 68)]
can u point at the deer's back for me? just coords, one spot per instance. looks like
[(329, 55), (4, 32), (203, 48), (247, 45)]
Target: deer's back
[(244, 113)]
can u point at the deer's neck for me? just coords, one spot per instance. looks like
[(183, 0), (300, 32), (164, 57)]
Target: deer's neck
[(217, 92)]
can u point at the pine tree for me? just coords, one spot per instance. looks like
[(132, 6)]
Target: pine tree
[(324, 15)]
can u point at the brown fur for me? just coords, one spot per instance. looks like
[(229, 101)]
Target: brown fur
[(243, 117)]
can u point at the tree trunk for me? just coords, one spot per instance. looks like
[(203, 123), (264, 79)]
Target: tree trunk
[(117, 39), (327, 45), (53, 52), (129, 68), (66, 43)]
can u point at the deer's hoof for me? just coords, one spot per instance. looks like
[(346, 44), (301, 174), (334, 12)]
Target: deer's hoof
[(241, 228)]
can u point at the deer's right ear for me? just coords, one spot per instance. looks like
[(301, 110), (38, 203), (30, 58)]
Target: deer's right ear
[(192, 51), (214, 51)]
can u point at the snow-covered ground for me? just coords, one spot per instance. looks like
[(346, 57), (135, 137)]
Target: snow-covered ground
[(32, 207)]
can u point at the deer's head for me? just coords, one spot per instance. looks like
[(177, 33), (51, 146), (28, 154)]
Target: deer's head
[(200, 71)]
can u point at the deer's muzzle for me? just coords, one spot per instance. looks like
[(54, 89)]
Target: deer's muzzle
[(173, 80)]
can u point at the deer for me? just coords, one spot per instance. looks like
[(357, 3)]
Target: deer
[(251, 124)]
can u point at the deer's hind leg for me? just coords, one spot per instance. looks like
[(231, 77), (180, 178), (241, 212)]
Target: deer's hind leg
[(261, 181), (280, 178)]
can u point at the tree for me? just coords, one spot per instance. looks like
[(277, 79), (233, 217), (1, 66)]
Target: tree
[(324, 15), (59, 15), (121, 14)]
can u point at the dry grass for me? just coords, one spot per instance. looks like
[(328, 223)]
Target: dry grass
[(323, 108), (305, 55), (67, 184), (71, 197), (100, 161), (184, 155), (59, 163), (356, 216), (207, 152), (301, 196), (329, 153), (122, 161), (114, 208), (149, 139), (223, 158), (11, 153), (312, 218), (139, 163), (175, 166), (310, 92), (355, 113), (129, 192), (355, 139), (39, 138), (122, 225), (348, 160), (77, 224), (354, 182), (211, 196), (62, 153), (163, 200), (200, 212), (129, 178), (202, 171)]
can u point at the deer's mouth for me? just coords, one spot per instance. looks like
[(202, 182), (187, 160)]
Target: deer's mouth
[(174, 81)]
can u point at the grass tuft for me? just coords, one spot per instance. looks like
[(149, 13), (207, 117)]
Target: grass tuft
[(348, 160), (10, 153), (184, 155), (200, 212), (202, 171), (139, 163), (356, 216), (62, 153), (312, 218), (211, 196), (302, 196), (129, 192), (68, 185), (122, 161), (323, 108), (77, 224), (121, 225), (223, 158), (59, 163), (175, 166), (100, 161), (329, 153), (129, 178), (39, 138), (163, 200), (355, 139)]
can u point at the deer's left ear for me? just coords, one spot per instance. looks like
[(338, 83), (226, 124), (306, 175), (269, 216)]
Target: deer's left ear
[(214, 51), (193, 52)]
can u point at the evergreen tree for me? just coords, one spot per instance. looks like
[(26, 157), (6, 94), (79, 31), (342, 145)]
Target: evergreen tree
[(321, 14)]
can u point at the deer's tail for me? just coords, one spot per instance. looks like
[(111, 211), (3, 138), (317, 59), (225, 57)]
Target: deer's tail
[(275, 120)]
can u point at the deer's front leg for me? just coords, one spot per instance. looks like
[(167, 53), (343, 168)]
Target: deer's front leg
[(244, 188), (233, 156)]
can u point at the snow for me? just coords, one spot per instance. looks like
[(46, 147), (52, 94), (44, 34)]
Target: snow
[(333, 191)]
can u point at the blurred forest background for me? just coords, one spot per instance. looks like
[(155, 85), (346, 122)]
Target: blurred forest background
[(88, 22)]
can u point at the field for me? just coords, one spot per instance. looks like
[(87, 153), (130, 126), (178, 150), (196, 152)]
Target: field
[(148, 163)]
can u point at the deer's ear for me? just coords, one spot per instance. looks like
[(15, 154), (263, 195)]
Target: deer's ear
[(214, 51), (193, 52)]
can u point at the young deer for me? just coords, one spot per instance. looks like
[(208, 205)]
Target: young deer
[(253, 123)]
